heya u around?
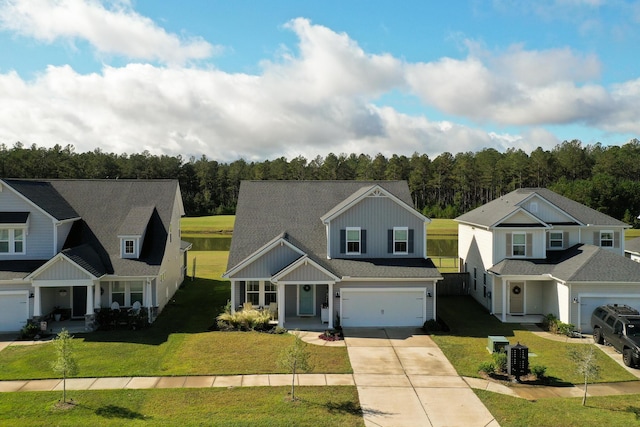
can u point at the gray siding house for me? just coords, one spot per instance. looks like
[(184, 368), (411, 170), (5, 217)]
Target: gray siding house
[(533, 252), (83, 245), (352, 252)]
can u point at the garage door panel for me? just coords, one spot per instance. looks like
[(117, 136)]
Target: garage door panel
[(589, 303), (368, 308), (13, 312)]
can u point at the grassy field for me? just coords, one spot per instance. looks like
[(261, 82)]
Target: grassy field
[(260, 406), (208, 224)]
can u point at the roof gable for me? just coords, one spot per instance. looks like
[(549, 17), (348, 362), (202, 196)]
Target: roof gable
[(489, 214), (43, 196), (65, 267), (520, 218), (360, 194), (278, 249), (304, 269)]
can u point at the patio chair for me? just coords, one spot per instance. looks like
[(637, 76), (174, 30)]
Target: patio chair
[(115, 305), (273, 309), (135, 309)]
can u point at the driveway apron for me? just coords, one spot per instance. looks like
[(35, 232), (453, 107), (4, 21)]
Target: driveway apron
[(404, 379)]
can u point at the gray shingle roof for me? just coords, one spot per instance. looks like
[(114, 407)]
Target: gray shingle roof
[(632, 245), (490, 213), (103, 206), (136, 221), (44, 195), (269, 209), (580, 263), (17, 270)]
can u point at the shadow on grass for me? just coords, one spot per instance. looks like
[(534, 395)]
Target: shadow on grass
[(634, 410), (192, 309), (346, 407), (465, 317), (113, 411)]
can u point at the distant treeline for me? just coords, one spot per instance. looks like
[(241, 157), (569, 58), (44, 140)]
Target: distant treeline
[(607, 178)]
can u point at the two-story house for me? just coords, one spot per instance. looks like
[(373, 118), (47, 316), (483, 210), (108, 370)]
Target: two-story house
[(535, 252), (352, 251), (83, 245)]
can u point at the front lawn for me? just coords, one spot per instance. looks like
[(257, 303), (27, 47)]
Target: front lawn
[(178, 343), (264, 406), (465, 344), (567, 412)]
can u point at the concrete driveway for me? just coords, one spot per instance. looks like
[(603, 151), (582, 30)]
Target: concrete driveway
[(404, 379)]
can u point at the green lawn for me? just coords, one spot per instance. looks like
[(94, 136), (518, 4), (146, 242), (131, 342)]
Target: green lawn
[(447, 227), (610, 411), (465, 344), (178, 343), (260, 406)]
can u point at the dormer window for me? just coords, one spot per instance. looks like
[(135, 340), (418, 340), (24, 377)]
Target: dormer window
[(129, 247)]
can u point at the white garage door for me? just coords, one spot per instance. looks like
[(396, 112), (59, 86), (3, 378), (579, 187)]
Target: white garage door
[(382, 307), (590, 303), (13, 311)]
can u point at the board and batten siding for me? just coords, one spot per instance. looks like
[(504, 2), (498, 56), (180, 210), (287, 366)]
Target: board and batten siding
[(306, 273), (377, 215), (546, 212), (475, 247), (536, 244), (40, 235), (268, 264), (62, 270)]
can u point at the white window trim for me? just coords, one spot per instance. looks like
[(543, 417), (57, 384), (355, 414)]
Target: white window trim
[(127, 293), (11, 242), (346, 241), (406, 230), (266, 292), (514, 244), (247, 292), (612, 240), (133, 246), (561, 240)]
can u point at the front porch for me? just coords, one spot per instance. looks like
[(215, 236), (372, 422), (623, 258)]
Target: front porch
[(305, 324)]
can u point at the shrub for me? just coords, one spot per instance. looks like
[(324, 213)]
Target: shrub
[(487, 367), (29, 331), (279, 330), (539, 371), (431, 325), (248, 319), (500, 361), (566, 328)]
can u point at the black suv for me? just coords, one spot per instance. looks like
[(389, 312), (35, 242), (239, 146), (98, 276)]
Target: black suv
[(619, 326)]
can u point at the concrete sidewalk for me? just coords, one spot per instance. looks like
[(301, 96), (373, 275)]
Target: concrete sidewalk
[(404, 379), (205, 381)]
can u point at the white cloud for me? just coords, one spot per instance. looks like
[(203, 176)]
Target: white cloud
[(117, 30), (313, 101)]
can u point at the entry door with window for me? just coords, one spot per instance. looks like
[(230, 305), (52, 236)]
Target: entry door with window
[(306, 300), (516, 299)]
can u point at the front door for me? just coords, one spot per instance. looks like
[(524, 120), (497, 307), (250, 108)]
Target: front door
[(516, 300), (306, 300), (79, 301)]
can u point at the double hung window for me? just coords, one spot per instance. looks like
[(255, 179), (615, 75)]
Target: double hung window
[(400, 240), (353, 240), (519, 244)]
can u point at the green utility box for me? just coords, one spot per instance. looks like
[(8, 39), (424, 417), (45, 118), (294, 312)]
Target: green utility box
[(496, 344)]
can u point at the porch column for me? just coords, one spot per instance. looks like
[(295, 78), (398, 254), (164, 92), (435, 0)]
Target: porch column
[(281, 303), (37, 305), (504, 300), (89, 299), (233, 296), (330, 325), (148, 298), (97, 295)]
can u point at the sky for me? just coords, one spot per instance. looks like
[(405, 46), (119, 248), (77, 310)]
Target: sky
[(260, 80)]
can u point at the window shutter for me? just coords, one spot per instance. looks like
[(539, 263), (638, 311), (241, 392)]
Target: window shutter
[(548, 239), (596, 238), (363, 241), (528, 251), (390, 241), (509, 247), (565, 239), (616, 239), (410, 249), (343, 241)]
